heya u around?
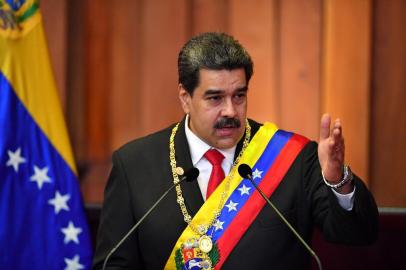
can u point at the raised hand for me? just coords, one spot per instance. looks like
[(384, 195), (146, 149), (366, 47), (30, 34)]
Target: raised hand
[(331, 149)]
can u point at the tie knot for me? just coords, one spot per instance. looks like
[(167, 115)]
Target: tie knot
[(214, 157)]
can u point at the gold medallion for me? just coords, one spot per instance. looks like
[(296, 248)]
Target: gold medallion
[(205, 244)]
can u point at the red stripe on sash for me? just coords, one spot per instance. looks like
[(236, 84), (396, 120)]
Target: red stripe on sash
[(255, 203)]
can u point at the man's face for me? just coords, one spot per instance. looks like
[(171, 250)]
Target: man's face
[(218, 107)]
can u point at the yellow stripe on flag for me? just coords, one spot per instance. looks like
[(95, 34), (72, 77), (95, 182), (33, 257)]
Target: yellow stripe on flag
[(27, 67)]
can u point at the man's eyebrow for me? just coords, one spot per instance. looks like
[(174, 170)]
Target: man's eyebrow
[(213, 92), (242, 89), (218, 91)]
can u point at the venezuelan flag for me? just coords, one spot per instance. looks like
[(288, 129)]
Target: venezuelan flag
[(42, 220)]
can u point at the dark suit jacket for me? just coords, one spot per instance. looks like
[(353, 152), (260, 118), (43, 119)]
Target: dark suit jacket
[(141, 173)]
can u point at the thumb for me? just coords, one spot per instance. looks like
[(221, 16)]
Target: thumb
[(325, 126)]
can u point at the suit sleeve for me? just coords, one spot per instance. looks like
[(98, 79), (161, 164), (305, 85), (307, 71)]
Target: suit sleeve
[(358, 226), (116, 220)]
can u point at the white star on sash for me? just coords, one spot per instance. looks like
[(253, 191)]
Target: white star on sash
[(257, 174), (40, 176), (60, 202), (73, 264), (231, 206), (218, 225), (71, 233), (244, 190), (15, 159)]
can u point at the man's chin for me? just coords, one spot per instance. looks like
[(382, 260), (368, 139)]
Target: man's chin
[(226, 144)]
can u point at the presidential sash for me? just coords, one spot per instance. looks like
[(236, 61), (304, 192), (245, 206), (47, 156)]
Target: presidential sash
[(270, 154)]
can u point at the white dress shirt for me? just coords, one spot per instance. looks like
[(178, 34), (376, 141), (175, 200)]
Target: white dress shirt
[(198, 148)]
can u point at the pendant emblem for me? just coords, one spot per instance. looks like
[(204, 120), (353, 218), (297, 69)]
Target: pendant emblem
[(205, 244), (197, 254)]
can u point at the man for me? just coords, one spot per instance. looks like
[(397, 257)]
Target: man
[(225, 224)]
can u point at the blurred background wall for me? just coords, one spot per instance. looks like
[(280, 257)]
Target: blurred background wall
[(116, 69)]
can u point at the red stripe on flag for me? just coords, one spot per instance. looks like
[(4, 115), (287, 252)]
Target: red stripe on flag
[(255, 203)]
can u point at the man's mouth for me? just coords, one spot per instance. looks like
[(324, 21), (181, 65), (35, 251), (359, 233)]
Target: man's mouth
[(226, 131)]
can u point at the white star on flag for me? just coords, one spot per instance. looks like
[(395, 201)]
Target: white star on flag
[(60, 202), (71, 233), (40, 176), (15, 159), (257, 174), (244, 190), (232, 206), (218, 225), (73, 264)]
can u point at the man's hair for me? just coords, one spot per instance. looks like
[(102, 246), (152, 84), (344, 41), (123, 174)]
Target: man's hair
[(215, 51)]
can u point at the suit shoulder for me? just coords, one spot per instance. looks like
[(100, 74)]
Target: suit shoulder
[(147, 143)]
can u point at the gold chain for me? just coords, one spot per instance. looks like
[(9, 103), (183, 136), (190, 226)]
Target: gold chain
[(181, 201)]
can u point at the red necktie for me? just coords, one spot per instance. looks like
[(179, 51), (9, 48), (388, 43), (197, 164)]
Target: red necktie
[(217, 173)]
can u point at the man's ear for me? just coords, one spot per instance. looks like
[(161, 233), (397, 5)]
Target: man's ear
[(185, 98)]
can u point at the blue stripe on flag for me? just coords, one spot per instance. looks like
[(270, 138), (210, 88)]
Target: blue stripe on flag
[(31, 172)]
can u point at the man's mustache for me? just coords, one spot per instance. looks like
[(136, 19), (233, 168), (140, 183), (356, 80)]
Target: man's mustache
[(226, 122)]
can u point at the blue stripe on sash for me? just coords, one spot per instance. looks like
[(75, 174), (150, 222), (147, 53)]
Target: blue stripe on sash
[(263, 164)]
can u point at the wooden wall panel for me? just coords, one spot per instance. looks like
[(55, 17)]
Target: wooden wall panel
[(388, 130), (55, 23), (346, 75), (75, 80), (117, 62), (125, 58), (163, 32), (255, 25), (300, 44), (97, 84), (96, 99), (209, 16)]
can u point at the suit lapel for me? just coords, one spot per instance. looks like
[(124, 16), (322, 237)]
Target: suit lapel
[(191, 191)]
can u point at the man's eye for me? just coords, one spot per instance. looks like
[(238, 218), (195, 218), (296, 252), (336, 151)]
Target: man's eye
[(214, 98), (240, 97)]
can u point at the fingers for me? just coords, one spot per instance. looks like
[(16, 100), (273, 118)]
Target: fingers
[(325, 126), (331, 149), (336, 131), (336, 145), (337, 140), (334, 135)]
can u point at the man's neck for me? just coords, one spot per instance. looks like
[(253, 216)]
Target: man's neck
[(198, 147)]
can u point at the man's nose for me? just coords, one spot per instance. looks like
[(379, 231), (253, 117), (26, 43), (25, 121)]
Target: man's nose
[(228, 109)]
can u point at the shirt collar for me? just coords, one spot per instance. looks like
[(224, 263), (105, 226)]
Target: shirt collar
[(198, 147)]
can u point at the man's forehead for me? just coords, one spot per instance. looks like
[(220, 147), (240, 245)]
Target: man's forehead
[(222, 76)]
